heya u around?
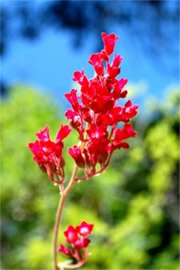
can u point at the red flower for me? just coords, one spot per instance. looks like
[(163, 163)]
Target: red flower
[(109, 42), (113, 69), (85, 229), (97, 106), (76, 153), (118, 88), (48, 154), (123, 134), (77, 237), (66, 251), (71, 234), (72, 98), (96, 61), (95, 114), (80, 78), (43, 134), (117, 60), (97, 132), (62, 133)]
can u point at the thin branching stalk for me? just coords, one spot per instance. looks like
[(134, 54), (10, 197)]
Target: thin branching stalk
[(59, 215)]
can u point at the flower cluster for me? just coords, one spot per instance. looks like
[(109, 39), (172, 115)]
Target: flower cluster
[(95, 112), (48, 154), (77, 237), (95, 115)]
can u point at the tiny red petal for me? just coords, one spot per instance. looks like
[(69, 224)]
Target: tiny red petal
[(43, 134)]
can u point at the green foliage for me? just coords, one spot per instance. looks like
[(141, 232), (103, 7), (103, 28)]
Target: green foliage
[(133, 204)]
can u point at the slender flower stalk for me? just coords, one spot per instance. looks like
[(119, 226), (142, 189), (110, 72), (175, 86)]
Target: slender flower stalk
[(64, 194), (56, 229), (95, 115)]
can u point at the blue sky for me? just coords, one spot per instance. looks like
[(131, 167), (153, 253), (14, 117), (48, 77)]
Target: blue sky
[(49, 62)]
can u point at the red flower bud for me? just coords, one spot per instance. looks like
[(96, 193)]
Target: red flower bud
[(80, 78), (96, 61), (43, 134), (72, 98), (109, 42), (64, 250), (82, 243), (62, 133), (76, 154)]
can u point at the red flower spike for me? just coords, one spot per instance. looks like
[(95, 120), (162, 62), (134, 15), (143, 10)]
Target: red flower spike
[(98, 107), (109, 42), (84, 228), (71, 235), (48, 154)]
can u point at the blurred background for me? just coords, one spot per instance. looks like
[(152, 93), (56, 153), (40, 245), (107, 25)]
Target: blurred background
[(134, 204)]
